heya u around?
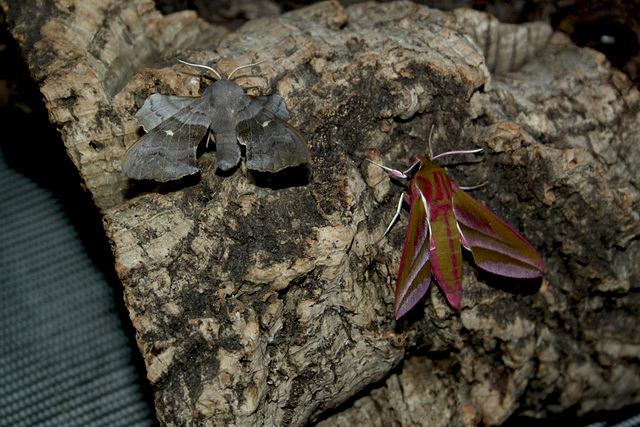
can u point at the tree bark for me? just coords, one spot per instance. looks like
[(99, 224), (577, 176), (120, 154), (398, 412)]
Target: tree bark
[(269, 299)]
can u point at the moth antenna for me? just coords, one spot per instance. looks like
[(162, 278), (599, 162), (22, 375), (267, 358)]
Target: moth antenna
[(431, 149), (432, 157), (245, 66), (202, 66), (477, 150)]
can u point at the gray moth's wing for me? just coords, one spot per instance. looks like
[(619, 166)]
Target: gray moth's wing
[(157, 108), (275, 103), (271, 143), (168, 151)]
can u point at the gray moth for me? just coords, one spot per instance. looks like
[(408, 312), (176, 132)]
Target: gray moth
[(177, 124)]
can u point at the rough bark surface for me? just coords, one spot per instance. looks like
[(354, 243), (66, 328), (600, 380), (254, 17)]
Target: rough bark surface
[(270, 301)]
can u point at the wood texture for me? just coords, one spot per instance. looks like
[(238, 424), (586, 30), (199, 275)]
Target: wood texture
[(271, 300)]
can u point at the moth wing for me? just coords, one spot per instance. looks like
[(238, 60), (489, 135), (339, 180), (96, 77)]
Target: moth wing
[(414, 277), (271, 143), (496, 247), (157, 108), (168, 151), (274, 103)]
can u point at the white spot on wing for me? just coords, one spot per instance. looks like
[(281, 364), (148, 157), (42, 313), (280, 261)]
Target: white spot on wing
[(265, 124), (169, 132)]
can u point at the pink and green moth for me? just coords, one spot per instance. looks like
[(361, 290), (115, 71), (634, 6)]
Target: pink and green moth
[(443, 218)]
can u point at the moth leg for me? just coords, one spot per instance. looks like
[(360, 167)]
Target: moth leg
[(416, 162), (473, 187), (395, 217)]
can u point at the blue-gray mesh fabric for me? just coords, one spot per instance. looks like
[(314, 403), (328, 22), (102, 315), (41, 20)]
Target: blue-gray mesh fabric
[(64, 358)]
